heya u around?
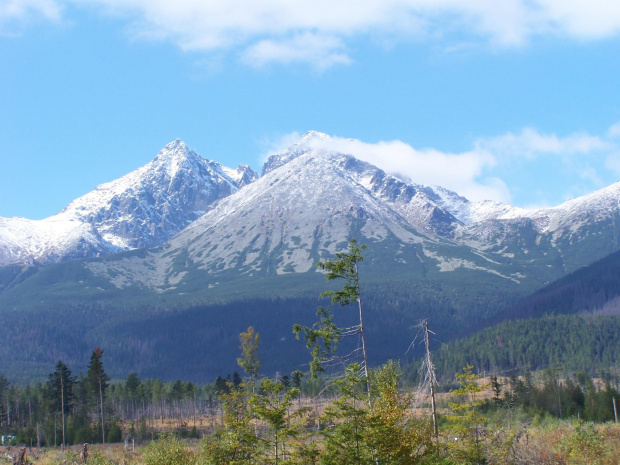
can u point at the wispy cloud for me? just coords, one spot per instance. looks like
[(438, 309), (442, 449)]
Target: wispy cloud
[(323, 51), (614, 131), (531, 143), (320, 32), (582, 156), (481, 172), (14, 13), (461, 172)]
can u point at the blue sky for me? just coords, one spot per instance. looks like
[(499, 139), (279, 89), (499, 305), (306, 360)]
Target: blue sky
[(514, 100)]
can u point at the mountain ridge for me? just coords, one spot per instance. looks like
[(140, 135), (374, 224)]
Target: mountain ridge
[(141, 209), (431, 253)]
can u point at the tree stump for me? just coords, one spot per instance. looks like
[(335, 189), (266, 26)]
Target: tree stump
[(20, 458), (84, 453)]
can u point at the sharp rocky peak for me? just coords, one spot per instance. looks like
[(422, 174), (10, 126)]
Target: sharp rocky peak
[(312, 136), (309, 141), (175, 156), (141, 209)]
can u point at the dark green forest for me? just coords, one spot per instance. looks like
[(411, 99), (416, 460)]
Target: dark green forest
[(571, 342), (199, 342)]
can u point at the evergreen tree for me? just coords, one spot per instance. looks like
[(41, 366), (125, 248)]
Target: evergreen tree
[(221, 386), (249, 360), (395, 436), (60, 391), (496, 387), (346, 440), (273, 407), (467, 422), (324, 335), (4, 407), (297, 376), (236, 441), (96, 383), (236, 380), (132, 384)]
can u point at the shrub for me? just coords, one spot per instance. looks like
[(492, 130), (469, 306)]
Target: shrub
[(168, 450)]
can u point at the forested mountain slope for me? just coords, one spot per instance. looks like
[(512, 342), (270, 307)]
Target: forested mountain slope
[(252, 255)]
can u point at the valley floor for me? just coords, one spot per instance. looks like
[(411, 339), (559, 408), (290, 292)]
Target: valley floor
[(554, 442)]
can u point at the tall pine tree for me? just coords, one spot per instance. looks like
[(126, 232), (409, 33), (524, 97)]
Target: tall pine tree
[(96, 383), (4, 408), (60, 390)]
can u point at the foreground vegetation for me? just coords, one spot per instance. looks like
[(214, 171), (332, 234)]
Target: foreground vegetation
[(355, 416), (264, 422)]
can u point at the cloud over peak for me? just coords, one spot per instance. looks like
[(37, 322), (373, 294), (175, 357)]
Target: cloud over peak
[(484, 171)]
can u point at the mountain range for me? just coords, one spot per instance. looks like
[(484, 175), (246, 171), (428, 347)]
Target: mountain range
[(143, 208), (183, 236)]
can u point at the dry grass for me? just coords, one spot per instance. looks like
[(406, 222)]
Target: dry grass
[(557, 443), (97, 453)]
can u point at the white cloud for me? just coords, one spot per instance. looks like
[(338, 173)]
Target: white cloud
[(581, 159), (580, 155), (20, 11), (530, 143), (277, 145), (320, 32), (462, 172), (614, 131), (321, 50), (591, 19)]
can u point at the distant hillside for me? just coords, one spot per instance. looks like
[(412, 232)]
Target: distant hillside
[(591, 289), (573, 323), (571, 342)]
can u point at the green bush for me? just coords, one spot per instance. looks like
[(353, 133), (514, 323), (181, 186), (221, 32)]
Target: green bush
[(168, 450), (584, 446), (114, 433)]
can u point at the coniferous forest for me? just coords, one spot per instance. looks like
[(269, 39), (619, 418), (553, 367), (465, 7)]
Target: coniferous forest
[(529, 391)]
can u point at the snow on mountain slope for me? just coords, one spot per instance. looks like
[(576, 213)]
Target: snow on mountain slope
[(302, 146), (141, 209), (305, 207), (24, 240), (242, 176), (311, 199), (489, 220), (282, 223)]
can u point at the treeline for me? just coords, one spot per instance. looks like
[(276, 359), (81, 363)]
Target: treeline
[(576, 396), (62, 410), (255, 419), (575, 343), (261, 421), (71, 410), (67, 409)]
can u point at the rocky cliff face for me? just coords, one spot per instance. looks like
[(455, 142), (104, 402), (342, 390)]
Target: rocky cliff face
[(311, 200), (143, 208), (308, 202)]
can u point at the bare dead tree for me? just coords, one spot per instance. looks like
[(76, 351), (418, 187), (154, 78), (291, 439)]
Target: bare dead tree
[(426, 372)]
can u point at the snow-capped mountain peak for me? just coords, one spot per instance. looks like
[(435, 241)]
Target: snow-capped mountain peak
[(141, 209), (305, 192), (312, 136), (308, 142), (177, 156)]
